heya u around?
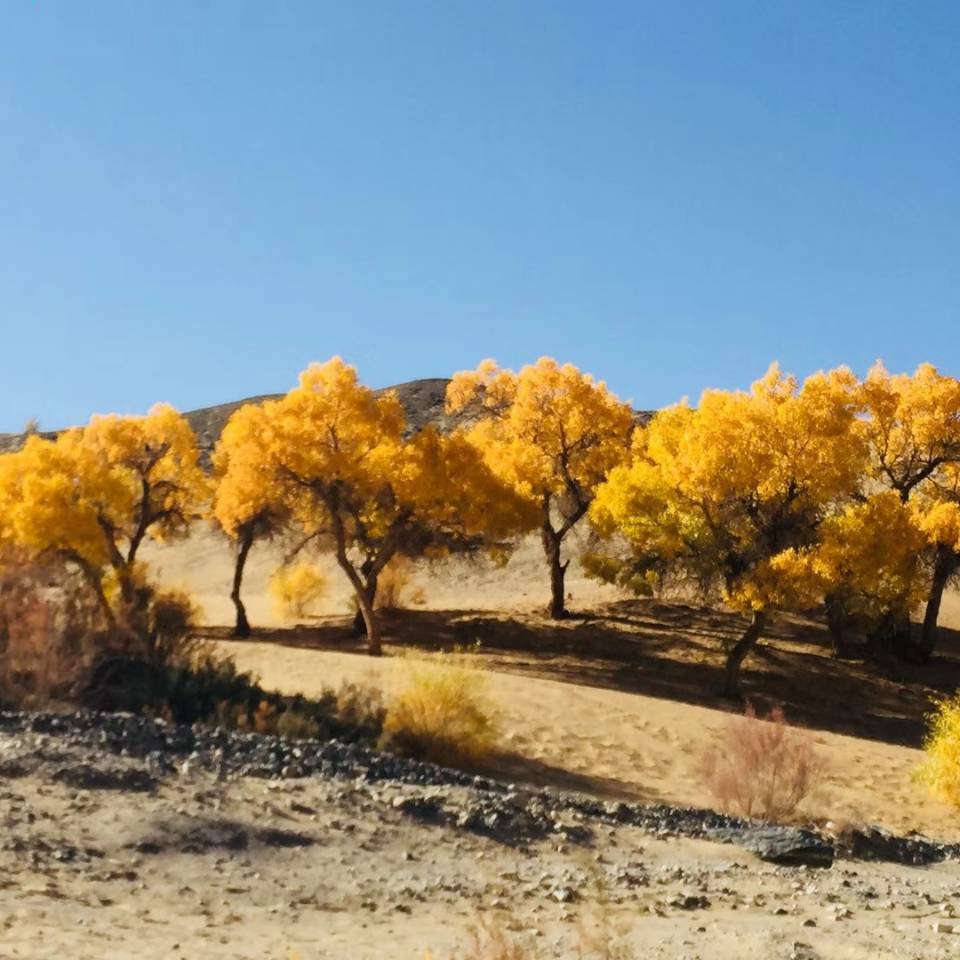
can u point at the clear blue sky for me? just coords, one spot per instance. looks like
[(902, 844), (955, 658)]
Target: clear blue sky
[(200, 197)]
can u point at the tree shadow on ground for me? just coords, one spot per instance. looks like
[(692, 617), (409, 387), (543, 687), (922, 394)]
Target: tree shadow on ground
[(674, 651)]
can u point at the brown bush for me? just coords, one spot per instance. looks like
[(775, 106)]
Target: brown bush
[(761, 767), (51, 632)]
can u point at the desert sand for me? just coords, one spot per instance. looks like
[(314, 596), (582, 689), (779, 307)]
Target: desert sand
[(591, 731)]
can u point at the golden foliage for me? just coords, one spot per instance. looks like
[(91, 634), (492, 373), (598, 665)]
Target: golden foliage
[(92, 495), (296, 588), (912, 424), (940, 770), (734, 492), (873, 550), (440, 712), (554, 434), (247, 494), (550, 429)]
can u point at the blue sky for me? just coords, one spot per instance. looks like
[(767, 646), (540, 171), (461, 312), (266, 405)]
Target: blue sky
[(200, 197)]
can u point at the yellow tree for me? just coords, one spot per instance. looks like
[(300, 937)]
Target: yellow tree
[(248, 502), (913, 427), (732, 495), (869, 562), (554, 434), (354, 479), (94, 494)]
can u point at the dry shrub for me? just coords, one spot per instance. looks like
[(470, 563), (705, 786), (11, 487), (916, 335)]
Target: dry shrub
[(761, 767), (940, 771), (51, 632), (394, 590), (440, 713), (296, 589), (360, 706), (169, 630), (489, 939)]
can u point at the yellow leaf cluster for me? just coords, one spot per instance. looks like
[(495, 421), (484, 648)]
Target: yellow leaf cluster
[(247, 492), (941, 768), (93, 494), (873, 548), (296, 589), (912, 424), (734, 491), (550, 430), (339, 456)]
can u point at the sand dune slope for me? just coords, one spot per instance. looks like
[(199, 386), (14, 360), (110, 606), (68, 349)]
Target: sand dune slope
[(622, 744)]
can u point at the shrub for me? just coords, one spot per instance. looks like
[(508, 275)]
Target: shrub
[(296, 589), (761, 767), (940, 771), (489, 939), (440, 713), (169, 629), (394, 591), (51, 632)]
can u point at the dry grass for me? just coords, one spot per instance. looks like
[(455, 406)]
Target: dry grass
[(296, 589), (762, 767), (491, 939), (440, 712)]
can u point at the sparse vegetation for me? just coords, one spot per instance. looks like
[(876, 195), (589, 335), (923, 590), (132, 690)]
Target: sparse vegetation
[(440, 712), (296, 589), (761, 767), (491, 939), (395, 590), (941, 768), (51, 632)]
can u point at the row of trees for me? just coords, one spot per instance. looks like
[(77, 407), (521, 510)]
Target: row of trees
[(836, 491)]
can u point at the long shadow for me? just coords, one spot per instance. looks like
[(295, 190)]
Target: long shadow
[(515, 768), (674, 651)]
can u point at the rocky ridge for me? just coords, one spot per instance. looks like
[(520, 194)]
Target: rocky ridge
[(127, 752)]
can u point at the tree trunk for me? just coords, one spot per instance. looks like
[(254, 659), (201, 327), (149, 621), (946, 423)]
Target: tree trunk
[(837, 623), (370, 625), (731, 677), (944, 567), (242, 626), (365, 607), (370, 577), (551, 547)]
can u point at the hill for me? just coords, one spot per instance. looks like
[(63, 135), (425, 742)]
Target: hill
[(422, 400)]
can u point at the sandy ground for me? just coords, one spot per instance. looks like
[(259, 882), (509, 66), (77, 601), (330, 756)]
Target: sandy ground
[(628, 745), (317, 870), (203, 564), (576, 736)]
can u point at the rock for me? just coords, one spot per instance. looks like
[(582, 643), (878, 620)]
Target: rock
[(939, 926), (874, 843), (784, 845), (424, 809), (689, 902), (89, 777)]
